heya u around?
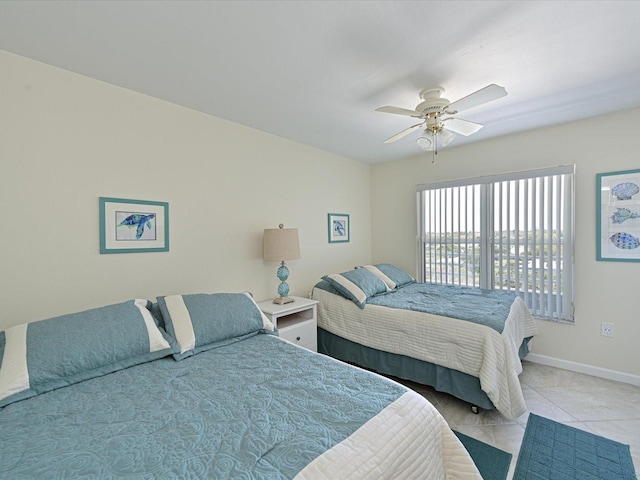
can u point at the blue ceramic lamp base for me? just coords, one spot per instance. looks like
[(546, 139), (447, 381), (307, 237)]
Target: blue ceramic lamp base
[(283, 288)]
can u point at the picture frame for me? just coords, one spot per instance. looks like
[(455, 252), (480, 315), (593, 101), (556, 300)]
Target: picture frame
[(133, 226), (618, 216), (339, 228)]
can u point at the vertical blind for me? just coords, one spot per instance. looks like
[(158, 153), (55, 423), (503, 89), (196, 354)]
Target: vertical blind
[(510, 232)]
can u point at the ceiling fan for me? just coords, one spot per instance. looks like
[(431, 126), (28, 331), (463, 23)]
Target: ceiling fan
[(438, 130)]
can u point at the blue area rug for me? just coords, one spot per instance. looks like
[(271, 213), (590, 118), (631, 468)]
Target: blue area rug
[(553, 451), (492, 463)]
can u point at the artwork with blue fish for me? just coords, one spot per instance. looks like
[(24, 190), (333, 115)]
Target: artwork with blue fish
[(625, 241), (623, 214), (139, 221)]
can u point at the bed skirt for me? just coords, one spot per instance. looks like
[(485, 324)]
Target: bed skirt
[(461, 385)]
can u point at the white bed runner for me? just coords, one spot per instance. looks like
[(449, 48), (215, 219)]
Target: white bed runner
[(464, 346), (407, 440)]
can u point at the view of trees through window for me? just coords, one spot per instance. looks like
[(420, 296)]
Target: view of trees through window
[(455, 259)]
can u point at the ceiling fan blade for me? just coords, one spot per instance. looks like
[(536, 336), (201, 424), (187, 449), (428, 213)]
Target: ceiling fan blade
[(484, 95), (403, 133), (463, 127), (399, 111)]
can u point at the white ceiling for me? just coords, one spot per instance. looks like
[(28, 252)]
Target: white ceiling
[(314, 71)]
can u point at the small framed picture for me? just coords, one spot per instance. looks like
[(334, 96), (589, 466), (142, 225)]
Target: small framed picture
[(133, 226), (339, 227), (618, 216)]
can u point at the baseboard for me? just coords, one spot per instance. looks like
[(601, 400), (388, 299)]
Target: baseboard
[(586, 369)]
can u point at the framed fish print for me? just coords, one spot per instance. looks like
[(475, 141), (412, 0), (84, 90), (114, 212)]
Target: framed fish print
[(339, 228), (618, 216), (133, 226)]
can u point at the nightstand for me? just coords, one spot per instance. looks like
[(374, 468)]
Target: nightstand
[(296, 321)]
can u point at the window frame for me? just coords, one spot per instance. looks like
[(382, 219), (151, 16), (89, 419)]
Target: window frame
[(487, 184)]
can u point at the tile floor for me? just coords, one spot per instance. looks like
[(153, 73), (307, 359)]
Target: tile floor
[(596, 405)]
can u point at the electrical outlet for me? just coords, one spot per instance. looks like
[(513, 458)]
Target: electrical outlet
[(607, 329)]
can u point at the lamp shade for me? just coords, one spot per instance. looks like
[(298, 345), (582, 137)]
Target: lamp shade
[(281, 244)]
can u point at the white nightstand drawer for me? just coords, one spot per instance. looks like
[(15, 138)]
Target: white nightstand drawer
[(304, 334)]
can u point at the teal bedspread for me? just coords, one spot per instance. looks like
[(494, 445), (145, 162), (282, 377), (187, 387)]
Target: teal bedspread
[(486, 307), (259, 408)]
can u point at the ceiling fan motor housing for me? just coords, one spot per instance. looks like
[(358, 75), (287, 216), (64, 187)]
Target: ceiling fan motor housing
[(433, 107)]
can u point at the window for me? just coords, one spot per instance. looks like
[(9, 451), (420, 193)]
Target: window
[(509, 232)]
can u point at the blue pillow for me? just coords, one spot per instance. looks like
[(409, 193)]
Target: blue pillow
[(357, 285), (378, 273), (49, 354), (397, 276), (203, 321)]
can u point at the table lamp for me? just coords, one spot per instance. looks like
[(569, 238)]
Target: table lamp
[(281, 244)]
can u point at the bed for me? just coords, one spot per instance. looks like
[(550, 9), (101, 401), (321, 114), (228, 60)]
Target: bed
[(200, 386), (463, 341)]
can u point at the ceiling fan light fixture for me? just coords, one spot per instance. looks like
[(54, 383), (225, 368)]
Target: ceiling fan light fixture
[(445, 137), (426, 141), (430, 139)]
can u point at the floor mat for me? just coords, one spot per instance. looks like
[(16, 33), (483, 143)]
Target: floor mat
[(551, 450)]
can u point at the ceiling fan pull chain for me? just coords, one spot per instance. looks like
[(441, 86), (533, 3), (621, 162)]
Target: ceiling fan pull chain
[(435, 147)]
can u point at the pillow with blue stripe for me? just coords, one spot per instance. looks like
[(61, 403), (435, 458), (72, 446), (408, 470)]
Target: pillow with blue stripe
[(41, 356), (203, 321), (357, 285), (391, 275)]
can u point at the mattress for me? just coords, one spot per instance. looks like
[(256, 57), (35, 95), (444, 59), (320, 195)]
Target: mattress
[(468, 347), (257, 408)]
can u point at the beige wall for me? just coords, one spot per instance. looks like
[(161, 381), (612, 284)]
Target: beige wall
[(605, 291), (66, 140)]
